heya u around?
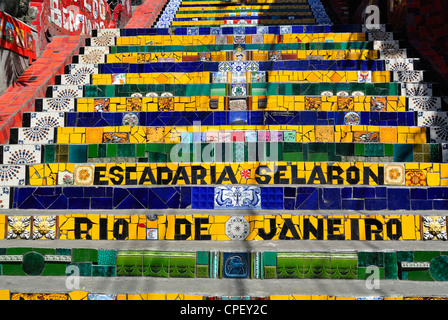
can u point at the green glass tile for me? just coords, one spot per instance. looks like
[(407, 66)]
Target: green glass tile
[(390, 265), (202, 271), (107, 257), (270, 272), (421, 256), (3, 251), (129, 264), (345, 149), (403, 153), (17, 251), (182, 267), (140, 150), (388, 150), (157, 147), (288, 268), (202, 257), (270, 258), (93, 151), (155, 266), (77, 154), (344, 268), (293, 156), (318, 157), (54, 269), (111, 150), (126, 150), (102, 150), (419, 275), (104, 271), (49, 153), (33, 263), (44, 251), (439, 268), (85, 255), (84, 269), (407, 256), (374, 150), (13, 270), (366, 259), (359, 149)]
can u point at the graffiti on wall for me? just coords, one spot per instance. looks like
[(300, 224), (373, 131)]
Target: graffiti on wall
[(73, 17), (16, 36)]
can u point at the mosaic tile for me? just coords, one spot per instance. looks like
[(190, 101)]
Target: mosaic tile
[(237, 198)]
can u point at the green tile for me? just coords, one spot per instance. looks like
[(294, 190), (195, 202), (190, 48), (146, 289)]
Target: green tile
[(439, 268), (111, 150), (421, 256), (84, 269), (102, 150), (270, 272), (77, 154), (17, 251), (141, 150), (49, 153), (388, 150), (93, 151), (202, 258), (10, 269), (407, 256), (390, 265), (126, 150), (107, 257), (366, 259), (419, 275), (202, 271), (104, 271), (54, 269), (129, 263), (45, 251), (85, 255), (359, 149), (270, 258)]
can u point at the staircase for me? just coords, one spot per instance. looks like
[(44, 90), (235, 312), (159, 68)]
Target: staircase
[(191, 151)]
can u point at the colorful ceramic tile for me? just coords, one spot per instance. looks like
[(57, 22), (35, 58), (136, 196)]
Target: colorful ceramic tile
[(425, 103), (58, 104), (237, 228), (47, 119), (352, 118), (84, 175), (101, 105), (364, 76), (67, 91), (22, 154), (366, 136), (394, 174), (378, 104), (238, 89), (116, 137), (415, 177), (432, 119), (434, 228), (130, 119), (237, 198), (324, 134), (236, 265), (166, 104), (313, 103), (155, 134), (36, 135), (399, 64), (345, 103)]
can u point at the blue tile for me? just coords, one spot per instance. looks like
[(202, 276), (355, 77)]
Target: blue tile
[(353, 204), (329, 198), (398, 199), (289, 204), (419, 194), (438, 193), (185, 199), (347, 193), (381, 192), (101, 203), (79, 203), (364, 192), (375, 204), (440, 205), (289, 192), (421, 204), (307, 198)]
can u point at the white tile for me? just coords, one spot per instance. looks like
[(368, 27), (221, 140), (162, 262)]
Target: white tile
[(22, 154), (35, 135), (58, 104), (47, 119)]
